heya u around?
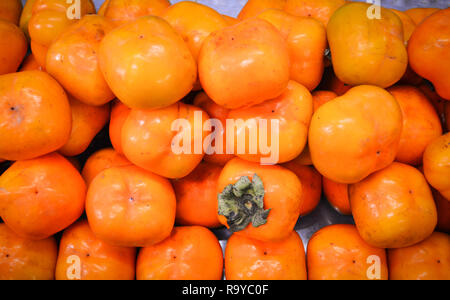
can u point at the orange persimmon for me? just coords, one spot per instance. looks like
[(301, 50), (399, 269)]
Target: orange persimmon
[(126, 11), (13, 47), (436, 164), (418, 14), (189, 253), (321, 10), (322, 97), (119, 114), (10, 10), (337, 195), (252, 8), (30, 64), (25, 17)]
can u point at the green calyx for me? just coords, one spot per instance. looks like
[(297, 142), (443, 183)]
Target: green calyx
[(243, 203)]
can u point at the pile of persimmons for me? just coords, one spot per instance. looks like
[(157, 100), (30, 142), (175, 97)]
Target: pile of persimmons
[(362, 99)]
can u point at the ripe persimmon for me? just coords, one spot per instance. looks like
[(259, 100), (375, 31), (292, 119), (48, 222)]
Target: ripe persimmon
[(130, 207), (421, 124), (429, 49), (24, 259), (10, 10), (337, 252), (13, 47), (30, 64), (72, 60), (249, 259), (34, 113), (189, 253), (337, 195), (119, 114), (149, 138), (87, 121), (418, 14), (147, 64), (197, 196), (244, 64), (42, 196), (82, 256), (25, 16), (102, 160), (220, 113), (321, 10), (126, 11), (257, 201), (355, 134), (427, 260), (387, 205), (322, 97), (367, 51), (305, 157), (252, 8), (408, 24), (311, 185), (436, 164)]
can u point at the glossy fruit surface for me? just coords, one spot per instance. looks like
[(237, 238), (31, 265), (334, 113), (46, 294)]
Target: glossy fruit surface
[(436, 164), (13, 47)]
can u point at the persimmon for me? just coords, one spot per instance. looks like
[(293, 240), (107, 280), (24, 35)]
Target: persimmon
[(220, 113), (13, 47), (82, 256), (157, 142), (197, 196), (337, 195), (436, 164), (408, 24), (42, 196), (147, 64), (119, 114), (24, 259), (427, 260), (418, 14), (337, 252), (25, 16), (128, 206), (311, 185), (101, 160), (268, 197), (126, 11), (34, 113), (443, 210), (244, 64), (429, 49), (387, 205), (10, 10), (322, 97), (189, 253), (339, 87), (87, 121), (364, 50), (306, 40), (421, 124), (30, 64), (305, 157), (355, 134), (39, 52), (249, 259), (321, 10), (438, 102), (286, 117), (72, 60), (230, 20), (252, 8)]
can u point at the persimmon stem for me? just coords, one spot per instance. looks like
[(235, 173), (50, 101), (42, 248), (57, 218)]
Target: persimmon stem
[(242, 203)]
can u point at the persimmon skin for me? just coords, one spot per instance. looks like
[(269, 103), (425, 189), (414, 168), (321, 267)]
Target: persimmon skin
[(337, 195), (220, 113), (355, 43), (321, 10), (429, 49), (34, 113), (355, 134), (311, 185), (144, 129), (253, 8), (337, 252), (307, 40), (72, 60), (24, 259), (436, 164), (293, 110), (98, 260), (427, 260), (421, 124), (249, 259), (147, 64), (322, 97), (387, 204), (25, 17), (197, 196), (39, 52), (189, 253), (126, 11), (13, 47), (283, 195), (10, 10), (245, 64), (30, 64), (419, 14), (42, 196), (102, 160), (408, 24), (130, 207), (87, 121), (119, 114)]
